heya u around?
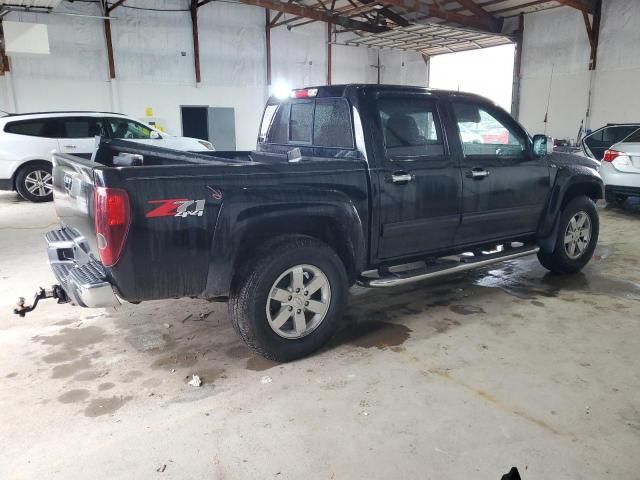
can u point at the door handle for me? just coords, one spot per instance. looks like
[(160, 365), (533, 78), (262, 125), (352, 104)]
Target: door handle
[(478, 173), (401, 177)]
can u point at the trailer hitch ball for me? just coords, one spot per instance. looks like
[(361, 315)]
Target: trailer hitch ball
[(56, 292)]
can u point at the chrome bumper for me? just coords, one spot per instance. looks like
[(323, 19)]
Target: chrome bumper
[(81, 276)]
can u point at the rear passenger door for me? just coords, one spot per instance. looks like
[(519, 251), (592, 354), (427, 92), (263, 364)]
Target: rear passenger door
[(77, 135), (419, 180)]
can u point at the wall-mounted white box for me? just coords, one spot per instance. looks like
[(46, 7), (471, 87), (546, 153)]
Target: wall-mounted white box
[(26, 38)]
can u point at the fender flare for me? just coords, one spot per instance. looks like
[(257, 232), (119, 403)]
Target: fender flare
[(247, 218)]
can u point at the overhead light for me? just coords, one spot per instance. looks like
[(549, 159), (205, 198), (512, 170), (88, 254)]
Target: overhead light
[(281, 90)]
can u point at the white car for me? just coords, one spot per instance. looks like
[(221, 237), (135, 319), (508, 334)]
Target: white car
[(620, 169), (27, 141)]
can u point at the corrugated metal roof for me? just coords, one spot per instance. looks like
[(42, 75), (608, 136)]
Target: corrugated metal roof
[(430, 39)]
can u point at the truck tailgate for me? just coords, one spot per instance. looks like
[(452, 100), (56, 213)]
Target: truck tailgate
[(73, 182)]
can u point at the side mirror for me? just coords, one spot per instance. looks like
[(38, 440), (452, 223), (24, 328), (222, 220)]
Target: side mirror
[(542, 145), (155, 135)]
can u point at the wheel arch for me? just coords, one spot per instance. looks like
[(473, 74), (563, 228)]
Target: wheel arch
[(240, 233)]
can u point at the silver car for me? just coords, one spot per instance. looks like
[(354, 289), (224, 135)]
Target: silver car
[(620, 169)]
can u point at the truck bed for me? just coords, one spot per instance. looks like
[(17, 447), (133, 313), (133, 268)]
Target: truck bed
[(187, 252)]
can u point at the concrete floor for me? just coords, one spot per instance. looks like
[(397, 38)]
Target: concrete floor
[(462, 378)]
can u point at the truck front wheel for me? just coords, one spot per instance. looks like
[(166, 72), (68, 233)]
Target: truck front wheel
[(577, 237), (288, 300)]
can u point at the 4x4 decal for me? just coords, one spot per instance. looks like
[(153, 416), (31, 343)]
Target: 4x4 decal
[(176, 207)]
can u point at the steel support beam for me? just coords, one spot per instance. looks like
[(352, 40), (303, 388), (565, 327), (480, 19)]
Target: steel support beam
[(476, 9), (106, 11), (329, 53), (307, 12), (487, 24), (593, 33), (267, 42), (517, 68), (193, 8), (588, 6), (4, 60)]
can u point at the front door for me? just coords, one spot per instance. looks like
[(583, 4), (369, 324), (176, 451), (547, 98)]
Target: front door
[(419, 182), (504, 186)]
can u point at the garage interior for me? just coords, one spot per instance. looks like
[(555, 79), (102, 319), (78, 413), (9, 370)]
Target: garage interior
[(466, 377)]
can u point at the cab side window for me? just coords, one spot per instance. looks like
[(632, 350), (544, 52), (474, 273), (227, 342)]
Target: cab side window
[(411, 127), (482, 133)]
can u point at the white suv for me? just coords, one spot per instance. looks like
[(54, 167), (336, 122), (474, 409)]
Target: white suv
[(27, 140)]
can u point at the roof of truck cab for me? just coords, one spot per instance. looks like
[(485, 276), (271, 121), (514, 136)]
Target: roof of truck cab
[(341, 90)]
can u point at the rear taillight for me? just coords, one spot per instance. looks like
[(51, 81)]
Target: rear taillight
[(611, 155), (112, 218)]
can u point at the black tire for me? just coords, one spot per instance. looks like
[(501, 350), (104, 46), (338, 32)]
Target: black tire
[(252, 288), (31, 173), (560, 260)]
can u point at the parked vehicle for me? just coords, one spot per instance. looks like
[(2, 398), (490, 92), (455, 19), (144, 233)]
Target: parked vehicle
[(620, 169), (597, 142), (27, 141), (349, 184)]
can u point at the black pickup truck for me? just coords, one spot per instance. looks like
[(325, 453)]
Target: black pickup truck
[(375, 185)]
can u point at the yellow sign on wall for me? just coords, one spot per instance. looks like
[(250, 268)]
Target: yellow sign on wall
[(148, 111)]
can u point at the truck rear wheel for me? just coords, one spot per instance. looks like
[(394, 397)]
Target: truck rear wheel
[(288, 300), (578, 231)]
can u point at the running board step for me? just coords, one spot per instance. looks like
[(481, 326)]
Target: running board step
[(445, 267)]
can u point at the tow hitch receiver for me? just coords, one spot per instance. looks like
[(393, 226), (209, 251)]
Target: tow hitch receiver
[(56, 292)]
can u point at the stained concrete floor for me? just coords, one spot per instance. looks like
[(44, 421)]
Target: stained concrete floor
[(461, 378)]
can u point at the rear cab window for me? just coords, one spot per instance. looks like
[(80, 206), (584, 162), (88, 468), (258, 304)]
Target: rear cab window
[(321, 122)]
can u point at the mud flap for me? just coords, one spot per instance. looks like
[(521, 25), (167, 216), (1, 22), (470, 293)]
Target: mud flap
[(548, 243)]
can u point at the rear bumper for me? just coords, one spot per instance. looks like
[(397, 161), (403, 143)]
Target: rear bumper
[(613, 191), (80, 275)]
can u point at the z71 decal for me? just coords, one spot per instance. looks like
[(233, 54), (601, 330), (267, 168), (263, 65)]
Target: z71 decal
[(177, 207)]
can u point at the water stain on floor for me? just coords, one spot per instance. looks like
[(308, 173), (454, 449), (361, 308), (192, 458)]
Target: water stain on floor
[(66, 370), (528, 280), (373, 334), (62, 356), (443, 324), (106, 386), (466, 309), (72, 338), (74, 396), (149, 341), (208, 375), (105, 405)]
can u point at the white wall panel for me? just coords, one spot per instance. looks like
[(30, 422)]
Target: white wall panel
[(152, 72), (558, 38)]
